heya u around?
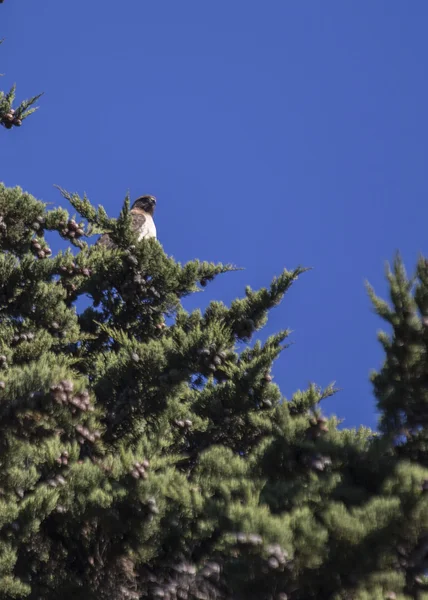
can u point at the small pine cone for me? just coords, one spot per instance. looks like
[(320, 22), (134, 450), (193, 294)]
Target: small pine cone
[(204, 282), (317, 464), (86, 272), (52, 483), (217, 361), (35, 226), (179, 423), (67, 385), (41, 254), (3, 358), (60, 479), (60, 397), (37, 246), (135, 357), (241, 538), (211, 568), (188, 423), (48, 251), (79, 232), (135, 474), (74, 400), (204, 352), (132, 260), (246, 328), (85, 396), (268, 377), (255, 539), (2, 385), (72, 225), (17, 122), (145, 463), (273, 562)]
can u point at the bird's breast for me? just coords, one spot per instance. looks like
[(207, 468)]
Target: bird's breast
[(148, 229)]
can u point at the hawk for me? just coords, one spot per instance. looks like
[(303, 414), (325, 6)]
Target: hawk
[(142, 220)]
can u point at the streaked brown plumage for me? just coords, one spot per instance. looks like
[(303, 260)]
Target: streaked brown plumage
[(142, 220)]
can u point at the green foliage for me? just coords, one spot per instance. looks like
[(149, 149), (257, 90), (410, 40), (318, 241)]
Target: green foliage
[(146, 452), (11, 116)]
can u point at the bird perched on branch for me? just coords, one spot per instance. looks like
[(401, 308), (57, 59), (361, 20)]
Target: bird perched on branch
[(142, 220)]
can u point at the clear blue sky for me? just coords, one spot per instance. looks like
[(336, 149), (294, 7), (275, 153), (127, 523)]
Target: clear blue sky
[(273, 134)]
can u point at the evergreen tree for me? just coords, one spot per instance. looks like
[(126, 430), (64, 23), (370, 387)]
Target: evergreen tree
[(147, 453)]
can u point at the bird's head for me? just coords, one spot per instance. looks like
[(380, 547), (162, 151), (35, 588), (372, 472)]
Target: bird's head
[(146, 203)]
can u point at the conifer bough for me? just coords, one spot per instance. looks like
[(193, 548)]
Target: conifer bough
[(10, 116)]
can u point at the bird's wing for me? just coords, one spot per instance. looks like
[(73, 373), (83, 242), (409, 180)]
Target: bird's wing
[(106, 241), (142, 224)]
